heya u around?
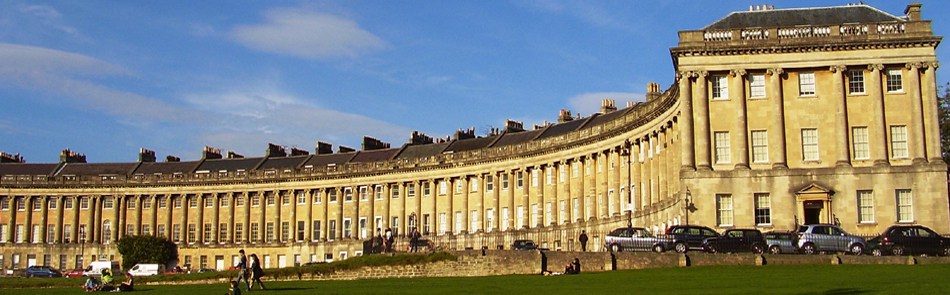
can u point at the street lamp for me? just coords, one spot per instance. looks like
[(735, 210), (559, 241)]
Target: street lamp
[(626, 152)]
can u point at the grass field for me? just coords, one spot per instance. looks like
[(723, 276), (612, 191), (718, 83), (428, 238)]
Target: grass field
[(803, 279)]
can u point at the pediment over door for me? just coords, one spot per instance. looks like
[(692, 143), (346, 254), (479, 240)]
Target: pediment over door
[(814, 191)]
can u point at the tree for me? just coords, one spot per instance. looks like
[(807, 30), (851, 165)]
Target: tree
[(146, 249), (943, 109)]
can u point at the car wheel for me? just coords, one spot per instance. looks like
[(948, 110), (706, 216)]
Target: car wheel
[(658, 249), (614, 248), (946, 251), (711, 249), (29, 275), (897, 251), (680, 247), (877, 252), (809, 249), (758, 249), (857, 249), (775, 250)]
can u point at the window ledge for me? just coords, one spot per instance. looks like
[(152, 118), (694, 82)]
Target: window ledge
[(906, 222), (857, 94), (867, 223), (896, 92), (807, 96)]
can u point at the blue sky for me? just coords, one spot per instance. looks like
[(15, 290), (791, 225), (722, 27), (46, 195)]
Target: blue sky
[(105, 78)]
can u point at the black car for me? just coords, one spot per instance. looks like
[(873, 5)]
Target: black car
[(689, 237), (524, 245), (736, 240), (40, 271), (909, 240)]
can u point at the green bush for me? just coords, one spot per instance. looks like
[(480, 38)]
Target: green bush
[(146, 249)]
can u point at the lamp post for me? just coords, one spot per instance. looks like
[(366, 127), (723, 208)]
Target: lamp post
[(686, 205), (626, 152)]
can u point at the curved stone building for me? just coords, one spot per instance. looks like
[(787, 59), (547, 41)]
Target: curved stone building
[(777, 117)]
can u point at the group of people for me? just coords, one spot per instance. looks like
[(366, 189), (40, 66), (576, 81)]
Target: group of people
[(249, 270), (106, 283), (383, 242), (572, 268)]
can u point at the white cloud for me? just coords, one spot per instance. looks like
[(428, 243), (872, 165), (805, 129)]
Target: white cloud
[(589, 103), (60, 73), (307, 34)]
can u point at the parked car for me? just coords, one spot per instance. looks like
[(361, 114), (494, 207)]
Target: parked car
[(42, 271), (909, 240), (75, 273), (781, 242), (689, 237), (736, 240), (205, 269), (524, 245), (815, 238), (634, 239)]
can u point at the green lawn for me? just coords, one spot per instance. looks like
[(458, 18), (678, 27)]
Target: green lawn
[(804, 279)]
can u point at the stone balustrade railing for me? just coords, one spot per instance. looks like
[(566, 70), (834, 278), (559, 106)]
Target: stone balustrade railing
[(880, 30)]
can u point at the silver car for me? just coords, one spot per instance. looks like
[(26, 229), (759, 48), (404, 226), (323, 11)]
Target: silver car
[(815, 238), (778, 242), (634, 239)]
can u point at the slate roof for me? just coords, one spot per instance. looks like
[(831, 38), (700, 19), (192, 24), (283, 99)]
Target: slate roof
[(166, 167), (281, 163), (563, 128), (375, 155), (818, 16), (246, 164), (471, 144), (599, 119), (324, 160), (27, 169), (518, 137), (80, 169), (422, 150)]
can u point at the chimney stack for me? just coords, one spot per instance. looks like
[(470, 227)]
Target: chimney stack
[(345, 149), (564, 116), (274, 150), (210, 153), (172, 159), (146, 155), (465, 134), (68, 156), (324, 148), (653, 91), (607, 105), (513, 126), (418, 138), (298, 152), (8, 158), (234, 155), (913, 11), (370, 144)]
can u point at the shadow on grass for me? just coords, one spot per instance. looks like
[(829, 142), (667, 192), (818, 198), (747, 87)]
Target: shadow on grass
[(841, 291), (287, 289)]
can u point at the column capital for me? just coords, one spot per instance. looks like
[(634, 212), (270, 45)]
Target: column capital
[(737, 72), (838, 68), (933, 64), (913, 65), (877, 67), (700, 74), (775, 71)]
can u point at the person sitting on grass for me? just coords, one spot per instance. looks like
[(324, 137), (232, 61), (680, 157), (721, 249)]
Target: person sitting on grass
[(91, 285), (127, 286), (107, 280), (234, 290)]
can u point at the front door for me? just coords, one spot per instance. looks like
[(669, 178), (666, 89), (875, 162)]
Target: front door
[(813, 211)]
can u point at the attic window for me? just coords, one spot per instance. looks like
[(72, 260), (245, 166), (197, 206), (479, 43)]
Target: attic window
[(108, 177), (69, 177)]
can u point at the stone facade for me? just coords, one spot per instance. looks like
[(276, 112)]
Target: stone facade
[(765, 127)]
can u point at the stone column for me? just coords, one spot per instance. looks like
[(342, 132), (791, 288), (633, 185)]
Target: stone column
[(246, 237), (120, 210), (637, 170), (450, 213), (138, 214), (742, 127), (262, 229), (841, 116), (466, 188), (480, 202), (777, 131), (185, 207), (232, 203), (200, 228), (877, 129), (371, 198), (916, 128), (512, 209), (74, 235), (170, 202), (661, 162), (931, 120), (701, 116), (403, 213), (216, 219), (581, 190), (542, 183), (293, 217), (686, 116), (44, 218), (418, 205), (28, 220), (61, 213), (278, 210), (308, 234), (11, 220), (153, 219), (324, 223), (341, 195), (116, 219)]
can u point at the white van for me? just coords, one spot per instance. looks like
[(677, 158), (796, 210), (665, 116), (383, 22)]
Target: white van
[(145, 269), (95, 268)]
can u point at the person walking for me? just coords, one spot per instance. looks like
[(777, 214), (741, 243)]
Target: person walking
[(243, 272), (414, 240), (390, 239), (256, 272), (583, 240)]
